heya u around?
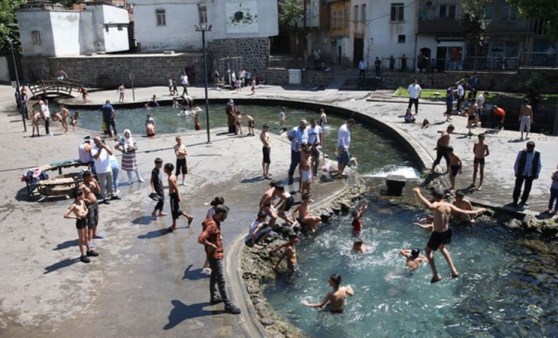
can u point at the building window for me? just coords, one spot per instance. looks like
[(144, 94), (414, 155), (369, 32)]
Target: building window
[(161, 17), (401, 38), (447, 11), (363, 13), (397, 12), (36, 38), (355, 13)]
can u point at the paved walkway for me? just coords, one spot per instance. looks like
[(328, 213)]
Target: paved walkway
[(146, 283)]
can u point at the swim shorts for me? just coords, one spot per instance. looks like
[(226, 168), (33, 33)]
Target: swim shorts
[(289, 202), (454, 170), (439, 238), (181, 166), (93, 215), (175, 206), (266, 154), (306, 176), (479, 161), (81, 223), (344, 157)]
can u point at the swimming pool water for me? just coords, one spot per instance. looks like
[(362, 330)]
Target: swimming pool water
[(497, 293), (377, 154)]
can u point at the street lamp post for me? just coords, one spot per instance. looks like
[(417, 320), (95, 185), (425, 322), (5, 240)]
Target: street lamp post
[(18, 94), (204, 27)]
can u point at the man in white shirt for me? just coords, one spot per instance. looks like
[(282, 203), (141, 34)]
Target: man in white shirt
[(101, 156), (414, 94), (45, 111), (343, 144), (184, 82), (298, 136), (315, 140), (362, 69), (460, 96)]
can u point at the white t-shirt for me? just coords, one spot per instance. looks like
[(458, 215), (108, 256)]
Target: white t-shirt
[(102, 163), (253, 227), (460, 90), (184, 80), (414, 91), (314, 134), (45, 110), (480, 101), (344, 137)]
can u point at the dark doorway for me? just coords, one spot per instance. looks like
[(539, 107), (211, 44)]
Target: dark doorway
[(339, 55), (441, 53), (358, 51), (281, 44)]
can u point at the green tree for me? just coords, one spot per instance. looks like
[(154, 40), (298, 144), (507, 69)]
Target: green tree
[(290, 13), (8, 25), (474, 23), (545, 10)]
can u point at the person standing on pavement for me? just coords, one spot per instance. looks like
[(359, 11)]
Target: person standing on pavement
[(266, 150), (362, 69), (109, 118), (442, 148), (181, 164), (185, 83), (460, 96), (343, 144), (101, 155), (378, 67), (212, 240), (45, 112), (527, 168), (414, 90), (525, 118), (298, 136), (315, 140)]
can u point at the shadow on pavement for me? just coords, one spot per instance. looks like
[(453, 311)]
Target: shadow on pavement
[(195, 274), (67, 244), (155, 234), (181, 312), (142, 220), (252, 179), (62, 264)]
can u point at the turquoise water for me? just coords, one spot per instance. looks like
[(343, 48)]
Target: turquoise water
[(377, 153), (496, 295)]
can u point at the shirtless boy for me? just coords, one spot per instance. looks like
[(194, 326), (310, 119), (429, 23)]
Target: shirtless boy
[(305, 172), (480, 149), (357, 218), (463, 204), (266, 203), (181, 152), (289, 252), (305, 218), (286, 201), (455, 166), (157, 188), (441, 234), (525, 118), (90, 188), (78, 211), (266, 150), (64, 118), (175, 199), (335, 299), (413, 258), (442, 147), (358, 246), (250, 120)]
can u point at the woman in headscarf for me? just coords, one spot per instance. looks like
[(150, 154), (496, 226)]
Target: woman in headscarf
[(128, 147)]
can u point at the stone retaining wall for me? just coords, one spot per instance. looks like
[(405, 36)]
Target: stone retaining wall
[(254, 52), (110, 70)]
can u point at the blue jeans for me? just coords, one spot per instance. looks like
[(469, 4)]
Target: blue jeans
[(217, 281), (115, 169), (295, 160), (553, 199)]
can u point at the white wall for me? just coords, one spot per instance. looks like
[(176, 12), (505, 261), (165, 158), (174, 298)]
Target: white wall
[(86, 33), (179, 32), (65, 31), (30, 20), (385, 33), (115, 40), (4, 70)]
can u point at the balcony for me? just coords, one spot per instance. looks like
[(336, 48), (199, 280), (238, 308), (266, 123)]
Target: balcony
[(441, 18)]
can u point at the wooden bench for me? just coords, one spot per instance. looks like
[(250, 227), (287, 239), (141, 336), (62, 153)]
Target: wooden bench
[(64, 185)]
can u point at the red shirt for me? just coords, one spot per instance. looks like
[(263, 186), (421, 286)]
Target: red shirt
[(212, 234), (500, 112), (357, 225)]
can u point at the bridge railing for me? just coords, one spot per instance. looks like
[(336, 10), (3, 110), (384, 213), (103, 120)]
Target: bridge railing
[(66, 86)]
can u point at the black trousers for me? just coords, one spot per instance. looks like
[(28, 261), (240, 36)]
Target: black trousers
[(442, 152), (47, 125), (527, 189), (161, 202), (413, 102), (217, 281)]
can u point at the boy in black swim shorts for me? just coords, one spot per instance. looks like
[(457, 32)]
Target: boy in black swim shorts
[(78, 211), (455, 166), (174, 196)]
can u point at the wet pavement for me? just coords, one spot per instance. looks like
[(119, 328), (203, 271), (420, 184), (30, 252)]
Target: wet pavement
[(149, 283)]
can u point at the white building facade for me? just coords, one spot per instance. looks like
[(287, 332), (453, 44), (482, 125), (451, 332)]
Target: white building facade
[(163, 25), (58, 32)]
